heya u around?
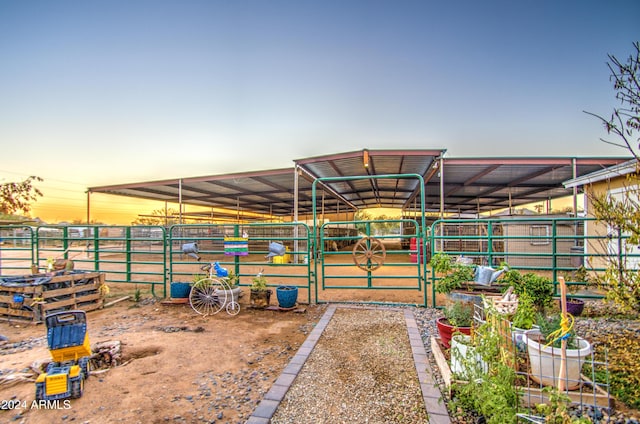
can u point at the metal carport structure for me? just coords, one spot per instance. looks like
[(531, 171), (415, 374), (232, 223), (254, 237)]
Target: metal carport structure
[(452, 185)]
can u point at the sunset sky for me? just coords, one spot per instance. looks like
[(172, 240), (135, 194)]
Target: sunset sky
[(97, 93)]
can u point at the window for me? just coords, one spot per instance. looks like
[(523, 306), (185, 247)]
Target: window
[(537, 232)]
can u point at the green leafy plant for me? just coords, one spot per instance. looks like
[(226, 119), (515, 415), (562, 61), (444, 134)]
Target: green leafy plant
[(579, 276), (538, 287), (197, 277), (622, 282), (453, 274), (622, 348), (525, 315), (259, 282), (441, 263), (490, 389), (232, 279), (459, 314), (551, 324), (557, 410), (137, 295)]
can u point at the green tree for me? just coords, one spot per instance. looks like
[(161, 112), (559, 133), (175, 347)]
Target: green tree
[(362, 216), (17, 197), (381, 227), (623, 215)]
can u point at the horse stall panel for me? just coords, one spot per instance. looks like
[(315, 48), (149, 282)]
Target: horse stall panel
[(33, 297), (481, 241)]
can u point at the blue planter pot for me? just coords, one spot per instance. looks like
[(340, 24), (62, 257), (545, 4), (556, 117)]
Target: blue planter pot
[(180, 290), (287, 296)]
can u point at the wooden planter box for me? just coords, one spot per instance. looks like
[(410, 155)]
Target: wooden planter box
[(32, 297), (591, 394)]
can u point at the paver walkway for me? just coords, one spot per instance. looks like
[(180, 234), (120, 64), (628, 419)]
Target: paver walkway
[(435, 407)]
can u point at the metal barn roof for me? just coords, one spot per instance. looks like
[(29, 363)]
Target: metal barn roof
[(451, 184)]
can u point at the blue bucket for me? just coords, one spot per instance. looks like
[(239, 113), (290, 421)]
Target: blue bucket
[(180, 290), (287, 296)]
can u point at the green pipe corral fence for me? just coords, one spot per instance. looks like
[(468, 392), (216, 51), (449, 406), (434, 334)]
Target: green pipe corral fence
[(153, 255)]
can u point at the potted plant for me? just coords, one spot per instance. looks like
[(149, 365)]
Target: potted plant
[(575, 306), (458, 317), (260, 293), (287, 296), (539, 288), (454, 275), (545, 352), (524, 319), (466, 361), (487, 368)]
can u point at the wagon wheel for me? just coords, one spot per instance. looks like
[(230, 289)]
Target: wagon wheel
[(369, 254), (208, 296)]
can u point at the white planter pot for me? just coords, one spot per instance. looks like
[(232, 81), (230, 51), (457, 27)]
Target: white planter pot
[(464, 356), (233, 294), (545, 361)]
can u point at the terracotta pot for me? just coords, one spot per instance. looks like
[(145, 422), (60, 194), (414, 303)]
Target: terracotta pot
[(446, 331)]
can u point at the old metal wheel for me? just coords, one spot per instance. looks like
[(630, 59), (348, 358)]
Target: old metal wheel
[(233, 307), (208, 296), (369, 254)]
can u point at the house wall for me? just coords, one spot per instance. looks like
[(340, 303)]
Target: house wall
[(601, 240)]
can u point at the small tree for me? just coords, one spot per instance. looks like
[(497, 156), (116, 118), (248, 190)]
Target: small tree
[(16, 197), (623, 215), (625, 120)]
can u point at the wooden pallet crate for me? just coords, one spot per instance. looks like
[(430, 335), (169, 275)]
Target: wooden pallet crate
[(32, 297)]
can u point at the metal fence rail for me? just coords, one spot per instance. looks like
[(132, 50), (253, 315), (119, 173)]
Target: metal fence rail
[(16, 249), (290, 269), (154, 256), (125, 254), (550, 246)]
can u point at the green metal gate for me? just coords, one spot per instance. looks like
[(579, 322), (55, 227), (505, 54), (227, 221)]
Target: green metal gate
[(371, 261), (214, 243)]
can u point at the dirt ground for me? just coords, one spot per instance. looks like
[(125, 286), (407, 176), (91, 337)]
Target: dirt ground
[(177, 366)]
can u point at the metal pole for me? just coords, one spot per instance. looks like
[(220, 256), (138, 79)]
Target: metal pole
[(441, 188), (575, 202), (296, 234), (88, 207), (180, 201), (575, 187)]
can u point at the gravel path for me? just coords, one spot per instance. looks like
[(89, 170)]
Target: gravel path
[(361, 370)]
